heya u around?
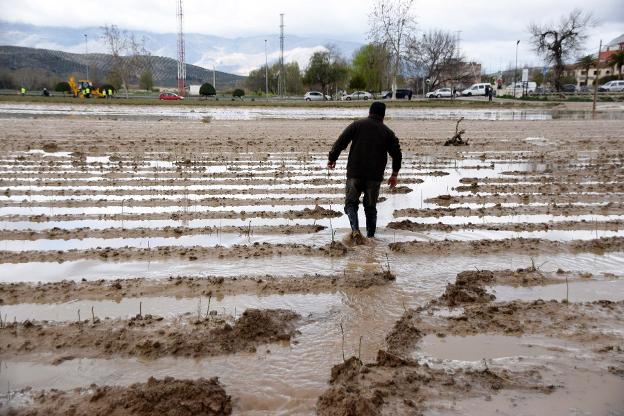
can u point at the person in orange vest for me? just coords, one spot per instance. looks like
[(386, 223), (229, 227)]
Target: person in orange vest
[(23, 91)]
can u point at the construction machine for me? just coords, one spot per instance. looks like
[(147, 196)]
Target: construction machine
[(79, 89)]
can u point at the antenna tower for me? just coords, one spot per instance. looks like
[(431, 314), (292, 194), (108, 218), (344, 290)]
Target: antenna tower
[(282, 77), (181, 65)]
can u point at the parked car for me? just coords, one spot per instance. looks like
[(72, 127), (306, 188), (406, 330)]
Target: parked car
[(440, 93), (358, 95), (612, 86), (401, 94), (475, 89), (315, 96), (531, 87), (568, 88), (169, 96)]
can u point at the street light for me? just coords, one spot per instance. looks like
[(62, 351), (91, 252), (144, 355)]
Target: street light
[(516, 69), (266, 71), (86, 58)]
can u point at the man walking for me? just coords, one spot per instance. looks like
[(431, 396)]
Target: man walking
[(371, 142)]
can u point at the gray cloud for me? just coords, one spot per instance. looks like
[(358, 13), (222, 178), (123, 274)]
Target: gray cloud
[(488, 29)]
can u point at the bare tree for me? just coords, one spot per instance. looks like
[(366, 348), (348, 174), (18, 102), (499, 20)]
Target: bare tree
[(391, 22), (559, 42), (433, 57), (129, 58)]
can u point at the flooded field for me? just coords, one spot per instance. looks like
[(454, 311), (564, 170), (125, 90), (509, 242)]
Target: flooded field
[(160, 245)]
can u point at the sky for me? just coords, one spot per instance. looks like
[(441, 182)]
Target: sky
[(488, 29)]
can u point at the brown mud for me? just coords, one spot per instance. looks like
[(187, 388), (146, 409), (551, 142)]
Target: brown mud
[(500, 211), (86, 232), (148, 336), (187, 287), (400, 386), (525, 245), (168, 396), (409, 225), (333, 249)]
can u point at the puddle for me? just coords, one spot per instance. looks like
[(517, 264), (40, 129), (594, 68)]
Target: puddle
[(583, 393), (259, 113), (169, 307), (584, 291), (479, 347)]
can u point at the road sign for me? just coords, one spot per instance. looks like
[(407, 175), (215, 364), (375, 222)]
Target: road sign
[(525, 75)]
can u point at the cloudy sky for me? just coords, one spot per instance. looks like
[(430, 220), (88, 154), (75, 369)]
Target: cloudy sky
[(489, 29)]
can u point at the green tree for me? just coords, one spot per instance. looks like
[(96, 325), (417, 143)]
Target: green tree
[(586, 63), (207, 89), (617, 60), (294, 82), (63, 87), (357, 82), (326, 69), (371, 63), (146, 81), (238, 93)]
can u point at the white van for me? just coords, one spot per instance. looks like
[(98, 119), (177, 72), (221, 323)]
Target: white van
[(476, 89), (531, 87)]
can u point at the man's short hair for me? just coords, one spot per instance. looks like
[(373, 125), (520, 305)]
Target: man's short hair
[(378, 108)]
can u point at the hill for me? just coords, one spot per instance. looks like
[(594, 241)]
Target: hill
[(37, 68)]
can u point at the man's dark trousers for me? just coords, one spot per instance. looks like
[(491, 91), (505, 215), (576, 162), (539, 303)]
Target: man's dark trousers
[(355, 187)]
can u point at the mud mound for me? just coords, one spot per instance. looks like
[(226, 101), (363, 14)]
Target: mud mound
[(366, 280), (575, 321), (168, 396), (149, 336), (399, 386), (265, 324), (334, 249), (50, 147), (525, 245), (468, 288)]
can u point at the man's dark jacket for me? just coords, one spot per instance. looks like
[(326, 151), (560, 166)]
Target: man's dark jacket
[(371, 142)]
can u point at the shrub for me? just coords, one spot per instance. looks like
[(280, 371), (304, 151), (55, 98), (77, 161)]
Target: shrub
[(107, 87), (63, 87), (207, 89), (239, 93), (357, 82)]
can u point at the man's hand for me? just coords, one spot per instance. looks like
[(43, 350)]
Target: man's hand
[(330, 164), (393, 181)]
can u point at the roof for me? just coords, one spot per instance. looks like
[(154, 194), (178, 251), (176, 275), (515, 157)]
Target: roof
[(616, 41)]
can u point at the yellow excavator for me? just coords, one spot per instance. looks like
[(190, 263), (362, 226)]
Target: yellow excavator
[(84, 89)]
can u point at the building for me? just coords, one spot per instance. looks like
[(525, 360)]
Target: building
[(603, 70), (616, 45)]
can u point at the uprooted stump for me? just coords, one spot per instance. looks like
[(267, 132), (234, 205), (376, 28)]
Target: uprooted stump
[(457, 139)]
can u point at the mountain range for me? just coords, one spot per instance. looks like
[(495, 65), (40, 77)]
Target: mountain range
[(61, 65), (232, 55)]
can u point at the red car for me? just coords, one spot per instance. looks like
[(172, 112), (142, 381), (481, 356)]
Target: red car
[(169, 96)]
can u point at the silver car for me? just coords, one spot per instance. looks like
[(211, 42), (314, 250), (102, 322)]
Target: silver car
[(315, 96), (440, 93), (358, 95), (612, 86)]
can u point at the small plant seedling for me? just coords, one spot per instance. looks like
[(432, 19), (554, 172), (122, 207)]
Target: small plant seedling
[(343, 342)]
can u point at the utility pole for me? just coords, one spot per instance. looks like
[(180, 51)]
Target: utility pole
[(516, 68), (596, 80), (86, 58), (181, 51), (282, 77), (266, 71), (214, 78)]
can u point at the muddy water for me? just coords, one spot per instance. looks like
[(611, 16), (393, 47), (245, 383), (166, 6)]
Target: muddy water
[(289, 378), (258, 113)]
